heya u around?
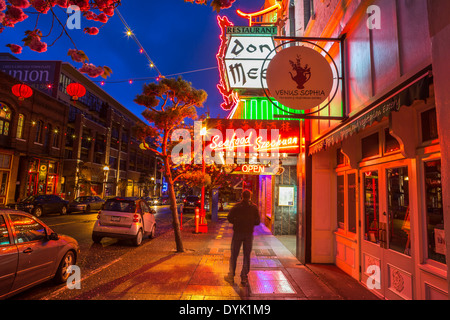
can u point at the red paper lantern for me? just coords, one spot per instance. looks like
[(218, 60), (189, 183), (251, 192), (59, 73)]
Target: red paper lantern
[(76, 90), (22, 91)]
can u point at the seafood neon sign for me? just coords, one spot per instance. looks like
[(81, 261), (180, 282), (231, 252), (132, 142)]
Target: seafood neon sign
[(256, 145)]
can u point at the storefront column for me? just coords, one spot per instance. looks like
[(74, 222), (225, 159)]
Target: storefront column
[(440, 33), (304, 166)]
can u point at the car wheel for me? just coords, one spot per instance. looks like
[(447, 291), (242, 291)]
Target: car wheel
[(64, 210), (87, 210), (37, 212), (153, 232), (138, 240), (96, 238), (62, 274)]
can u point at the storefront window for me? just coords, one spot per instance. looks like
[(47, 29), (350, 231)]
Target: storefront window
[(20, 123), (42, 177), (398, 209), (351, 202), (5, 161), (39, 132), (435, 214), (371, 214), (340, 202)]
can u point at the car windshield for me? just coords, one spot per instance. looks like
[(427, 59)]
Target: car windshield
[(81, 199), (29, 199), (120, 206), (192, 198)]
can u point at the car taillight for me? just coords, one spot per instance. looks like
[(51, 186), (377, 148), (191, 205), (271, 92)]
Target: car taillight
[(184, 200), (198, 201), (98, 216), (136, 218)]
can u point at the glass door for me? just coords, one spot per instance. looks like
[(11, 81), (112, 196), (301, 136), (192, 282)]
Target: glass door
[(3, 186), (386, 261)]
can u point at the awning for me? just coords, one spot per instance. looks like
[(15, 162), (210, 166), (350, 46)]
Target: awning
[(417, 90)]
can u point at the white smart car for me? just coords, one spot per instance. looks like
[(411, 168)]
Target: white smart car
[(125, 218)]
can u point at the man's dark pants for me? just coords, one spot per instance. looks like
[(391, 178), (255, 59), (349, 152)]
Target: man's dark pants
[(247, 240)]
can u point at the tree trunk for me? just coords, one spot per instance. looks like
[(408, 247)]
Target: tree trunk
[(210, 202), (173, 207)]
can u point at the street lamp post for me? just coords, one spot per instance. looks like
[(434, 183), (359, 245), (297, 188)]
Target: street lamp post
[(202, 210), (105, 172)]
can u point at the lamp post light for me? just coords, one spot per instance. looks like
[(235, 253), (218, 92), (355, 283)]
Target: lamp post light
[(203, 134), (105, 172)]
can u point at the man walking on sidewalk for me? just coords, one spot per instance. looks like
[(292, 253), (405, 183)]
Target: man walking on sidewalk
[(244, 216)]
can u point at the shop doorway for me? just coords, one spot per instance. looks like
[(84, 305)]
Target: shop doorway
[(386, 215)]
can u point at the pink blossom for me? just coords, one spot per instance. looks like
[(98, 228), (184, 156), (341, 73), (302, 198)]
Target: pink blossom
[(92, 31), (83, 4), (13, 15), (62, 3), (2, 5), (102, 17), (109, 11), (41, 6), (16, 49), (20, 3), (37, 45), (77, 55), (89, 15), (91, 70)]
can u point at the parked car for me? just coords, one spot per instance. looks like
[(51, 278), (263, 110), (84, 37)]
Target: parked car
[(31, 253), (86, 204), (125, 218), (42, 204), (152, 201), (190, 203)]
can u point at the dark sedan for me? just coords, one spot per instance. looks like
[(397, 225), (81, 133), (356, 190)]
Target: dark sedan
[(86, 204), (32, 253), (42, 204)]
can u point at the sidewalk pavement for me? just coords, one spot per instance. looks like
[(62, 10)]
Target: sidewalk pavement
[(155, 271)]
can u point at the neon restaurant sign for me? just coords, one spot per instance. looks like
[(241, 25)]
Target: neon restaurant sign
[(294, 75), (241, 56), (245, 140)]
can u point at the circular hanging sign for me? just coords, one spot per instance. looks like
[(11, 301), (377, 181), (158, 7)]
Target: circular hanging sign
[(299, 78)]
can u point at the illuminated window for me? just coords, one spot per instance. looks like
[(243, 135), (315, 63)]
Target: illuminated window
[(5, 118), (434, 211), (20, 122), (39, 132)]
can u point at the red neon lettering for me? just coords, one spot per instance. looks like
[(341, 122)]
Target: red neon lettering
[(248, 168), (258, 145), (231, 98)]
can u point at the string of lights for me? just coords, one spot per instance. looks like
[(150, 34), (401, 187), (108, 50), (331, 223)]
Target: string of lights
[(129, 33), (142, 50), (132, 80)]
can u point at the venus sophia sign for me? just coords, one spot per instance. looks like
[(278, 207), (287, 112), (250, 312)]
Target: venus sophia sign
[(299, 78)]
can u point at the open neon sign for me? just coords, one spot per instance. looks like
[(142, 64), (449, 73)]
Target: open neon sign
[(259, 144)]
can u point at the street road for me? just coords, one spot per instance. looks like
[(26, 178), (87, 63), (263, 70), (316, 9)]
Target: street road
[(93, 257)]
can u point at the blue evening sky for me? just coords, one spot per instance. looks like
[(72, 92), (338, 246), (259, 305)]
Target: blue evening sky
[(178, 36)]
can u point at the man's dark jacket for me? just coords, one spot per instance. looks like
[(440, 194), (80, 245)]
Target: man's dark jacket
[(244, 216)]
